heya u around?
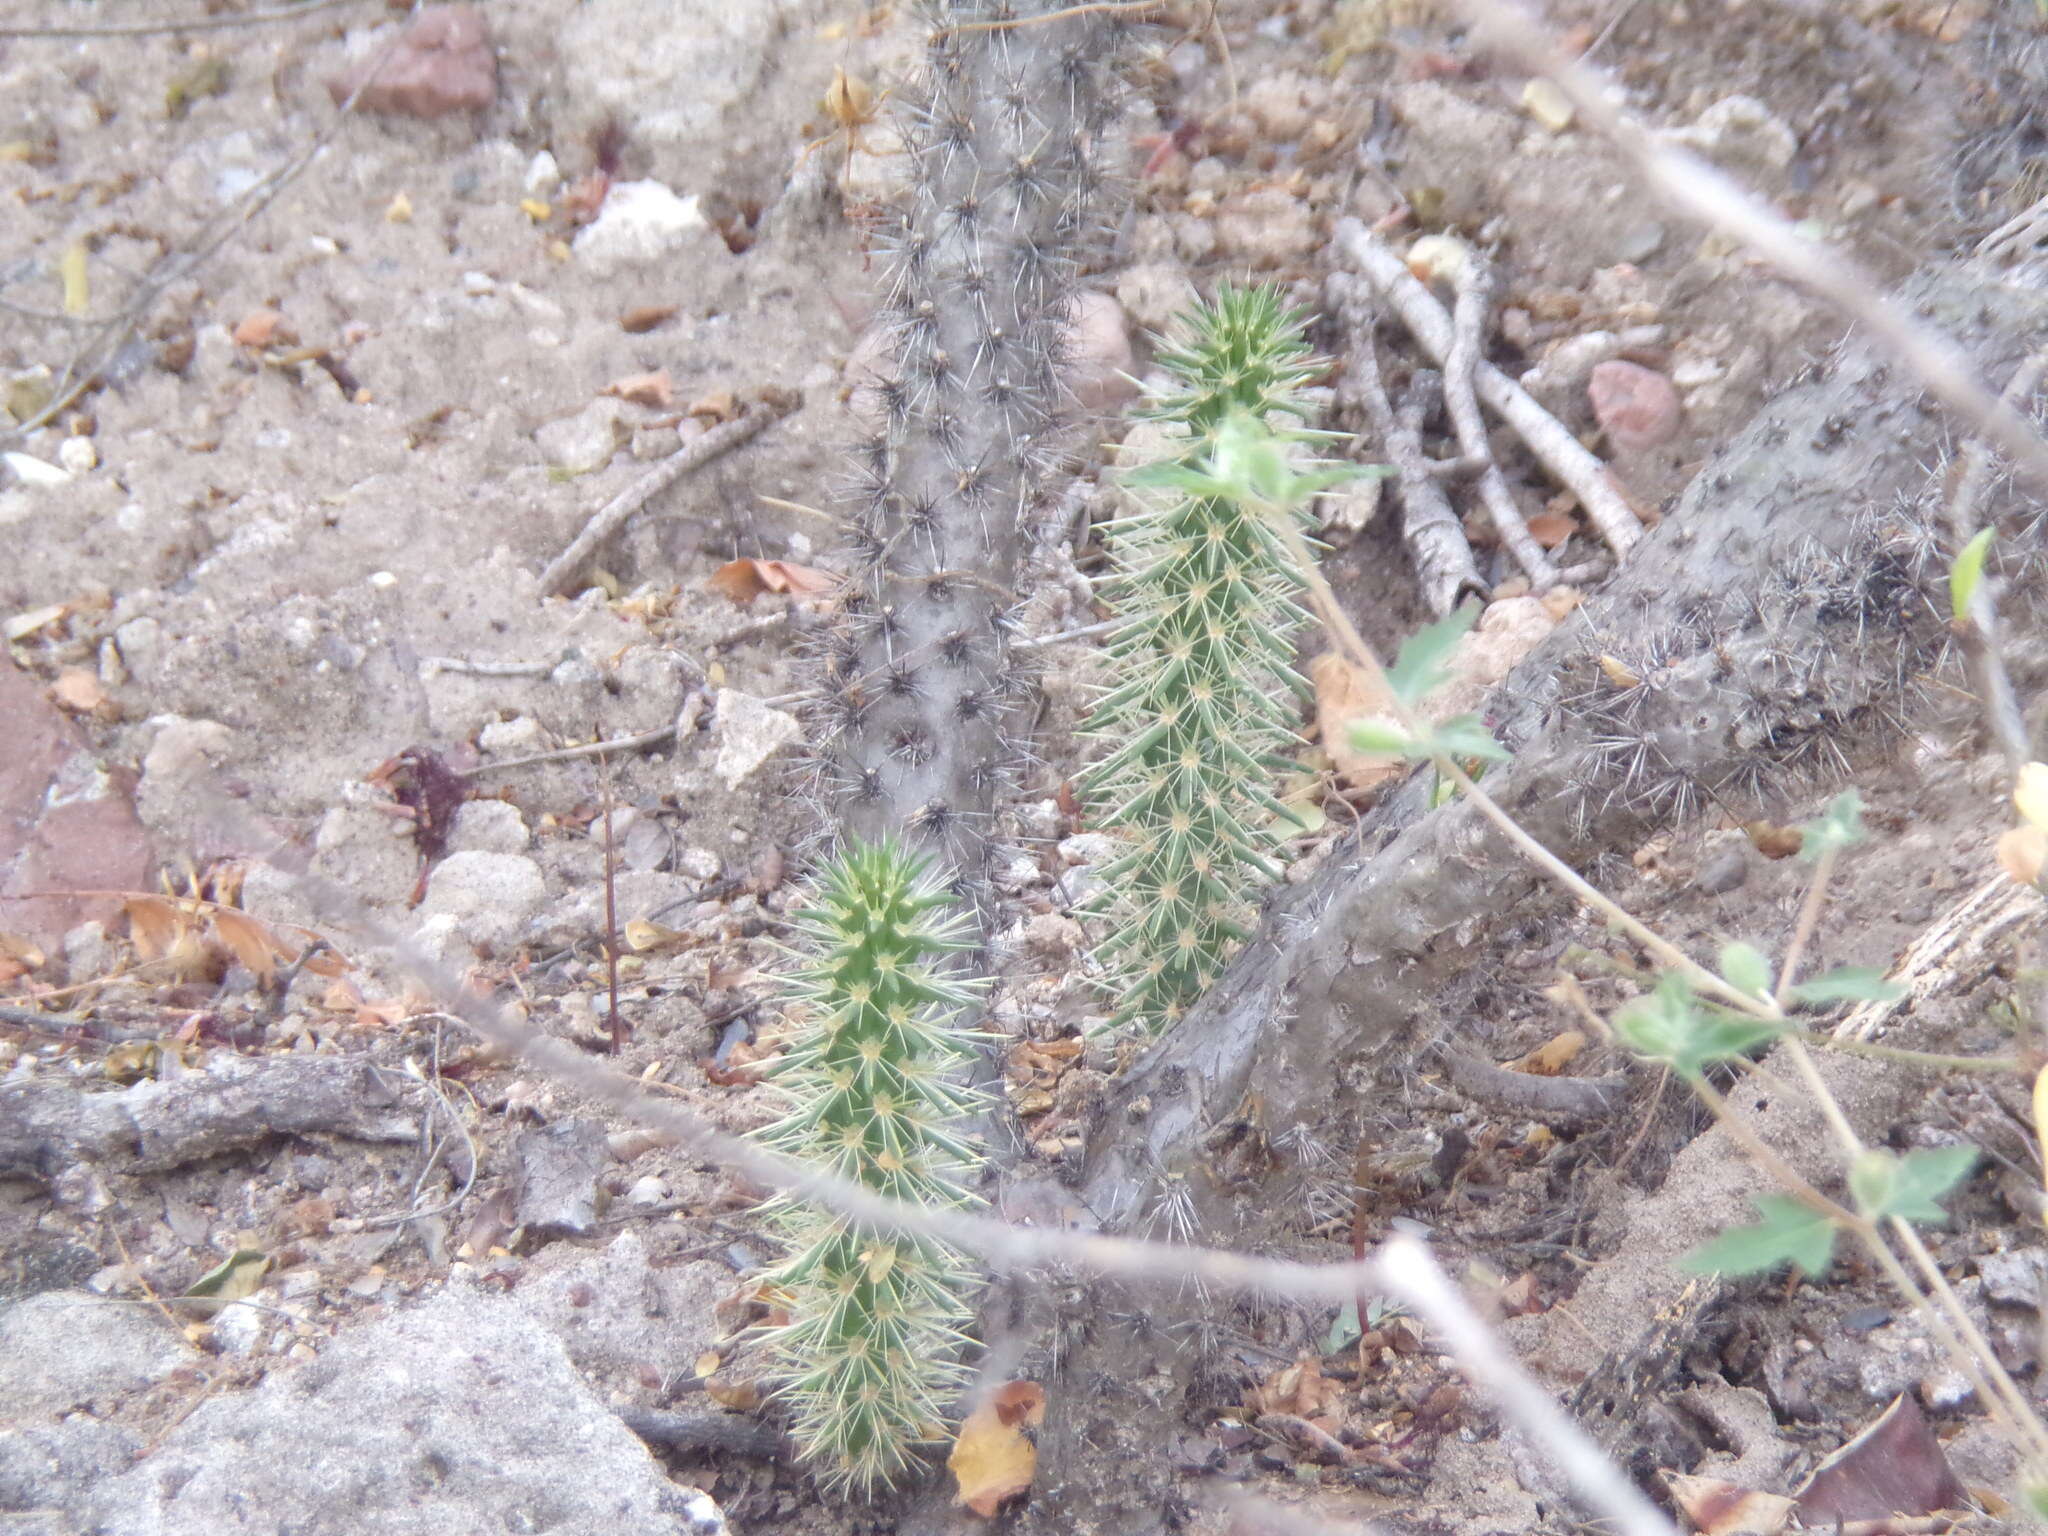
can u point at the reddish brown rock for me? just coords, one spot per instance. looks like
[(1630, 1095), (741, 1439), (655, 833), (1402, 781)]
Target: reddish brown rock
[(1635, 406), (443, 64), (65, 824)]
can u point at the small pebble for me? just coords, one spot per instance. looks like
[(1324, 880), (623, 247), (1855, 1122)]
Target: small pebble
[(1635, 406), (78, 455), (1724, 872)]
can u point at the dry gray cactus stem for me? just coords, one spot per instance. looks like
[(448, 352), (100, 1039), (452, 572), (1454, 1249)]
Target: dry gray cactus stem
[(1002, 136)]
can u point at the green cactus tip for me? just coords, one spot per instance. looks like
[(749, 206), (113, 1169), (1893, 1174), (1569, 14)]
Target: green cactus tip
[(869, 1359)]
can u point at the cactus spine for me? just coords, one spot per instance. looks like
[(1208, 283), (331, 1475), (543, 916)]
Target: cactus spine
[(1207, 599), (921, 688), (868, 1358)]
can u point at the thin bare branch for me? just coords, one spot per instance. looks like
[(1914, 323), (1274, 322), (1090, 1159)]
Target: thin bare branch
[(1698, 189)]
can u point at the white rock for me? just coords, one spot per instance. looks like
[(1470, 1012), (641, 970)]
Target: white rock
[(488, 826), (506, 738), (492, 895), (642, 221), (1088, 848), (1741, 131), (749, 733), (586, 441), (31, 470), (78, 455), (542, 174)]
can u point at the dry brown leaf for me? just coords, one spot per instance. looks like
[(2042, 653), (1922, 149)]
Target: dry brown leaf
[(1713, 1506), (993, 1460), (655, 389), (1020, 1402), (739, 1396), (81, 692), (1773, 841), (260, 327), (253, 943), (1345, 696), (1552, 529), (642, 318), (718, 405), (1300, 1389), (154, 925), (746, 579), (1552, 1056)]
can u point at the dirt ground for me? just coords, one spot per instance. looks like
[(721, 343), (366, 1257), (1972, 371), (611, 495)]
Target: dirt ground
[(272, 592)]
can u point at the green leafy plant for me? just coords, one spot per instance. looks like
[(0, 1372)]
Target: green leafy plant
[(1206, 597), (868, 1358)]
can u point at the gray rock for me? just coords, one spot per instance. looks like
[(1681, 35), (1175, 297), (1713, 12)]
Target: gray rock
[(461, 1414), (615, 1311), (749, 733), (2014, 1279), (1723, 872), (488, 826), (65, 1350), (45, 1465), (559, 1166), (493, 896)]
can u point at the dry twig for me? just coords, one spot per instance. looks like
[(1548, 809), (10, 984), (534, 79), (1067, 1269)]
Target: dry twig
[(189, 24), (1435, 538), (772, 406), (1468, 334), (1558, 451)]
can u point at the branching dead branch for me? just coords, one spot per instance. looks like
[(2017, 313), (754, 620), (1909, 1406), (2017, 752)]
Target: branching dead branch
[(1554, 447)]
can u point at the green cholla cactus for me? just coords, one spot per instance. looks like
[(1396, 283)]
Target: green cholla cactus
[(869, 1357), (1207, 599)]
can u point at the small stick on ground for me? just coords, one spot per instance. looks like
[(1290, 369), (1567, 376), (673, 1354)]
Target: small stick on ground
[(685, 722), (1468, 335), (611, 517), (1436, 539), (1555, 448)]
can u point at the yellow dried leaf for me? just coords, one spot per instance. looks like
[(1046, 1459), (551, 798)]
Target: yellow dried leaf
[(22, 625), (992, 1460), (1618, 675), (71, 268), (1552, 1056), (2022, 852), (2030, 794), (739, 1396), (640, 934)]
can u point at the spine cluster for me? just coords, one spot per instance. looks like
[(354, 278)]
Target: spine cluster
[(1207, 602), (1002, 139), (868, 1359)]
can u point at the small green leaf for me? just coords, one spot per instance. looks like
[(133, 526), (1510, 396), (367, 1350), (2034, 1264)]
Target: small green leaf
[(1840, 826), (1467, 736), (1745, 969), (1379, 735), (1670, 1025), (1909, 1187), (1344, 1331), (1420, 666), (1849, 984), (236, 1278), (1966, 573), (2036, 1494), (1788, 1234)]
